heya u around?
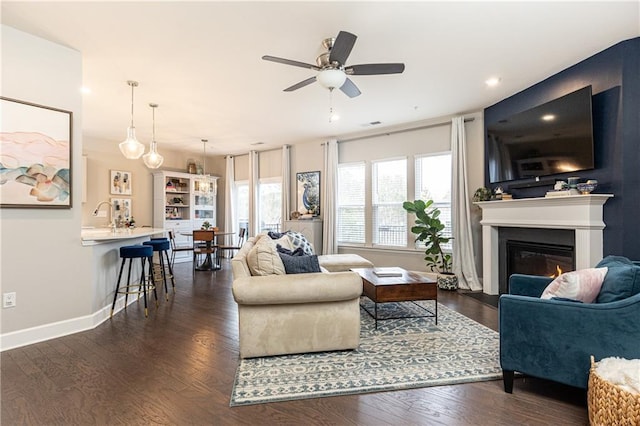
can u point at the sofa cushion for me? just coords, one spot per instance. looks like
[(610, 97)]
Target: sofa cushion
[(297, 252), (582, 285), (343, 262), (276, 235), (263, 258), (300, 264), (299, 240), (622, 280)]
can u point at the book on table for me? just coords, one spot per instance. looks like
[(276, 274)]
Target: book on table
[(388, 272)]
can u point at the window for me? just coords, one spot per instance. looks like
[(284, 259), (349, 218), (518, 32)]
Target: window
[(270, 204), (242, 203), (389, 191), (351, 199), (433, 181)]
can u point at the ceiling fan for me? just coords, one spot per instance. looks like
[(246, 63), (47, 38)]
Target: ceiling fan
[(332, 71)]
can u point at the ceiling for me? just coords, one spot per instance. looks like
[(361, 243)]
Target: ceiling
[(201, 62)]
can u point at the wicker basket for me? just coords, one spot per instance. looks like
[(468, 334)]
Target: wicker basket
[(610, 405)]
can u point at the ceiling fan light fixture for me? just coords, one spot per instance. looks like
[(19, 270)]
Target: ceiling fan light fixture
[(131, 148), (331, 78)]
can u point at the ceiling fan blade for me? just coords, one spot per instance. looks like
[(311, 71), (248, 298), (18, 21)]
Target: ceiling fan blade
[(301, 84), (374, 69), (350, 89), (342, 47), (290, 62)]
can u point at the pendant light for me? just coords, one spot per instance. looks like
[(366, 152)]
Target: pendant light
[(152, 159), (130, 147), (203, 182)]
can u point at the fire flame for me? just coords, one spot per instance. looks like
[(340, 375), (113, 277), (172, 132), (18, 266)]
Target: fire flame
[(558, 272)]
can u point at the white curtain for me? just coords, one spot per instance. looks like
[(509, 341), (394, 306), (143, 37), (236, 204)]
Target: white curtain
[(254, 177), (328, 209), (286, 185), (230, 219), (463, 256)]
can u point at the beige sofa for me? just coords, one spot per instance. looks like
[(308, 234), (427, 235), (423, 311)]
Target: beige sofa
[(295, 313)]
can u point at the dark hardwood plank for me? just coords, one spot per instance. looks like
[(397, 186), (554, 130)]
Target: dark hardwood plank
[(178, 366)]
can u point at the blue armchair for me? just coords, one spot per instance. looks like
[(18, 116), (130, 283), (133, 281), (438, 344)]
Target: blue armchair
[(553, 339)]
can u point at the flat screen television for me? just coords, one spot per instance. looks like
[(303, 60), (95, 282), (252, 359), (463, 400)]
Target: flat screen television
[(552, 138)]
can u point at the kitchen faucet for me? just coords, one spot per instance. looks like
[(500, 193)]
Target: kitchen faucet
[(112, 224)]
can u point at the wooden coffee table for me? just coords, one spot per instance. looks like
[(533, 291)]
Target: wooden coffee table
[(409, 287)]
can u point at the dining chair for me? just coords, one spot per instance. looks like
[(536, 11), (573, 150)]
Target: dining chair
[(232, 248), (176, 248), (203, 245)]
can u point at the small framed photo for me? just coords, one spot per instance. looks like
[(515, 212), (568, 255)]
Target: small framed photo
[(121, 209), (308, 188), (120, 182)]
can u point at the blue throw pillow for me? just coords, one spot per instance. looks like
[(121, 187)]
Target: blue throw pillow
[(300, 264), (297, 252), (276, 235), (622, 279)]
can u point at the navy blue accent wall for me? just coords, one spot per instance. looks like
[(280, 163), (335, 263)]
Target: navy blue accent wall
[(614, 75)]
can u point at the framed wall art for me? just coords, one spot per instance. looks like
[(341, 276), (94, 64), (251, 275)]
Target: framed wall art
[(35, 166), (120, 182), (308, 187), (121, 208)]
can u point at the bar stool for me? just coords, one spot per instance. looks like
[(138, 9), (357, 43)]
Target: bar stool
[(144, 253), (162, 246)]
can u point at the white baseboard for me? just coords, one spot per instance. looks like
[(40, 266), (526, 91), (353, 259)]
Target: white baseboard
[(29, 336)]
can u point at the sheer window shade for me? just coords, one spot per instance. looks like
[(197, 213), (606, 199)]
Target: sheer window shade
[(270, 204), (242, 204), (389, 191), (351, 203), (433, 182)]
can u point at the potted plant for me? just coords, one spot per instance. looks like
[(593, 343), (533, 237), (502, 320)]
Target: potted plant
[(429, 229), (206, 225), (482, 194)]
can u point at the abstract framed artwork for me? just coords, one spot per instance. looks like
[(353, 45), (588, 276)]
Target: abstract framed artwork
[(35, 159), (121, 208), (120, 182), (308, 187)]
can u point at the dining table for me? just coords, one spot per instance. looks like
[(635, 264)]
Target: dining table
[(209, 264)]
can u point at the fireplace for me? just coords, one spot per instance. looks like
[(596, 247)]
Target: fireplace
[(580, 216), (534, 251)]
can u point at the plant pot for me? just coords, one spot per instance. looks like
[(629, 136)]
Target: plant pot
[(447, 281)]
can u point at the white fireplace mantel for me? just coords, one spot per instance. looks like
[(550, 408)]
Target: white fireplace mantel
[(582, 213)]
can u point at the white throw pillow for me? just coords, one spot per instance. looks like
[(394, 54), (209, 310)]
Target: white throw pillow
[(263, 258), (583, 285)]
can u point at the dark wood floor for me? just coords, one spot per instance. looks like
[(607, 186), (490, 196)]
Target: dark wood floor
[(177, 367)]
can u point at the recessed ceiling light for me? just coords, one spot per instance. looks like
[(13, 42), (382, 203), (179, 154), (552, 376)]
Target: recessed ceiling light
[(548, 117), (85, 90), (493, 81)]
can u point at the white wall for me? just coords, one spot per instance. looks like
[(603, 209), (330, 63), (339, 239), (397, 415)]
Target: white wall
[(41, 256)]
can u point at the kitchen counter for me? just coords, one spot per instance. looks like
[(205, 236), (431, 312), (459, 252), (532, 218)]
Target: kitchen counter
[(93, 236)]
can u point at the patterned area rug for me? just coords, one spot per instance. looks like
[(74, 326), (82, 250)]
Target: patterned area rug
[(400, 354)]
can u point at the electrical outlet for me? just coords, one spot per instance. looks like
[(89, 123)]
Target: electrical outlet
[(101, 213), (9, 300)]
